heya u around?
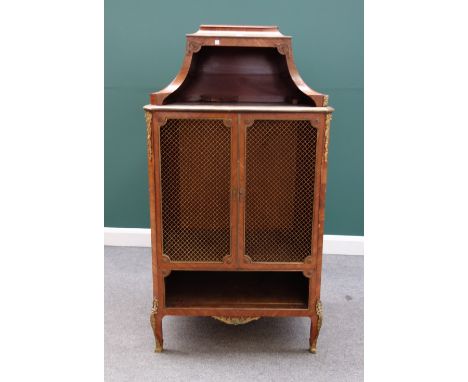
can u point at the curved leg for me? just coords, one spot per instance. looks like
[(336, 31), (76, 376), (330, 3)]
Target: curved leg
[(313, 334), (156, 324), (315, 325)]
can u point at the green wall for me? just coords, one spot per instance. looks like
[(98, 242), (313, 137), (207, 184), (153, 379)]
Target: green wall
[(144, 47)]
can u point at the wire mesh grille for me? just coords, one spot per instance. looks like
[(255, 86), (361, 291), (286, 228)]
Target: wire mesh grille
[(195, 181), (280, 177)]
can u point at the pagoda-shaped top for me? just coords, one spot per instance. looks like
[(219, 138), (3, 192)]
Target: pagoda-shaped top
[(238, 64)]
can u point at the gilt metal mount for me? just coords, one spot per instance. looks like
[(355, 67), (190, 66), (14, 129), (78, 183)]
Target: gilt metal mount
[(149, 134), (235, 320), (327, 135)]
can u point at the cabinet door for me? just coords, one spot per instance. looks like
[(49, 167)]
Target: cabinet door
[(197, 175), (280, 158)]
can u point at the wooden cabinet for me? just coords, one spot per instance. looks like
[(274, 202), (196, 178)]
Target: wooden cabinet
[(237, 156)]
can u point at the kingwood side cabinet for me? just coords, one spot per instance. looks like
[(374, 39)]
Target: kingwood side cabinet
[(237, 151)]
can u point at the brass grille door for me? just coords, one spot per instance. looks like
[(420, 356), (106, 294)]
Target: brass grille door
[(280, 183), (196, 190)]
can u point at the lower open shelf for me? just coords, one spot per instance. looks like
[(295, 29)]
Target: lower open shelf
[(241, 289)]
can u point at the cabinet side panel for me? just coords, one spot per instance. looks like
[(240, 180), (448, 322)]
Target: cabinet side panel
[(151, 133), (323, 189)]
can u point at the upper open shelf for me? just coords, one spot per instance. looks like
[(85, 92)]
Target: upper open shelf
[(244, 65), (238, 75)]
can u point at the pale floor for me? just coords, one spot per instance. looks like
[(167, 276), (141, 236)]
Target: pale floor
[(203, 349)]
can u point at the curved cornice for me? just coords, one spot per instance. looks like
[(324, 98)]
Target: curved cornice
[(241, 36)]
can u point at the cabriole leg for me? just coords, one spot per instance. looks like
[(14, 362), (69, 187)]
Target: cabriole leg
[(156, 324), (315, 325)]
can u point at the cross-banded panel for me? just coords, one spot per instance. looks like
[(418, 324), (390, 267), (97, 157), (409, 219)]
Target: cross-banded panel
[(280, 178), (195, 183)]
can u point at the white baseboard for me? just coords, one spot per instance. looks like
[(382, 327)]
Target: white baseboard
[(141, 237), (127, 237), (343, 245)]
